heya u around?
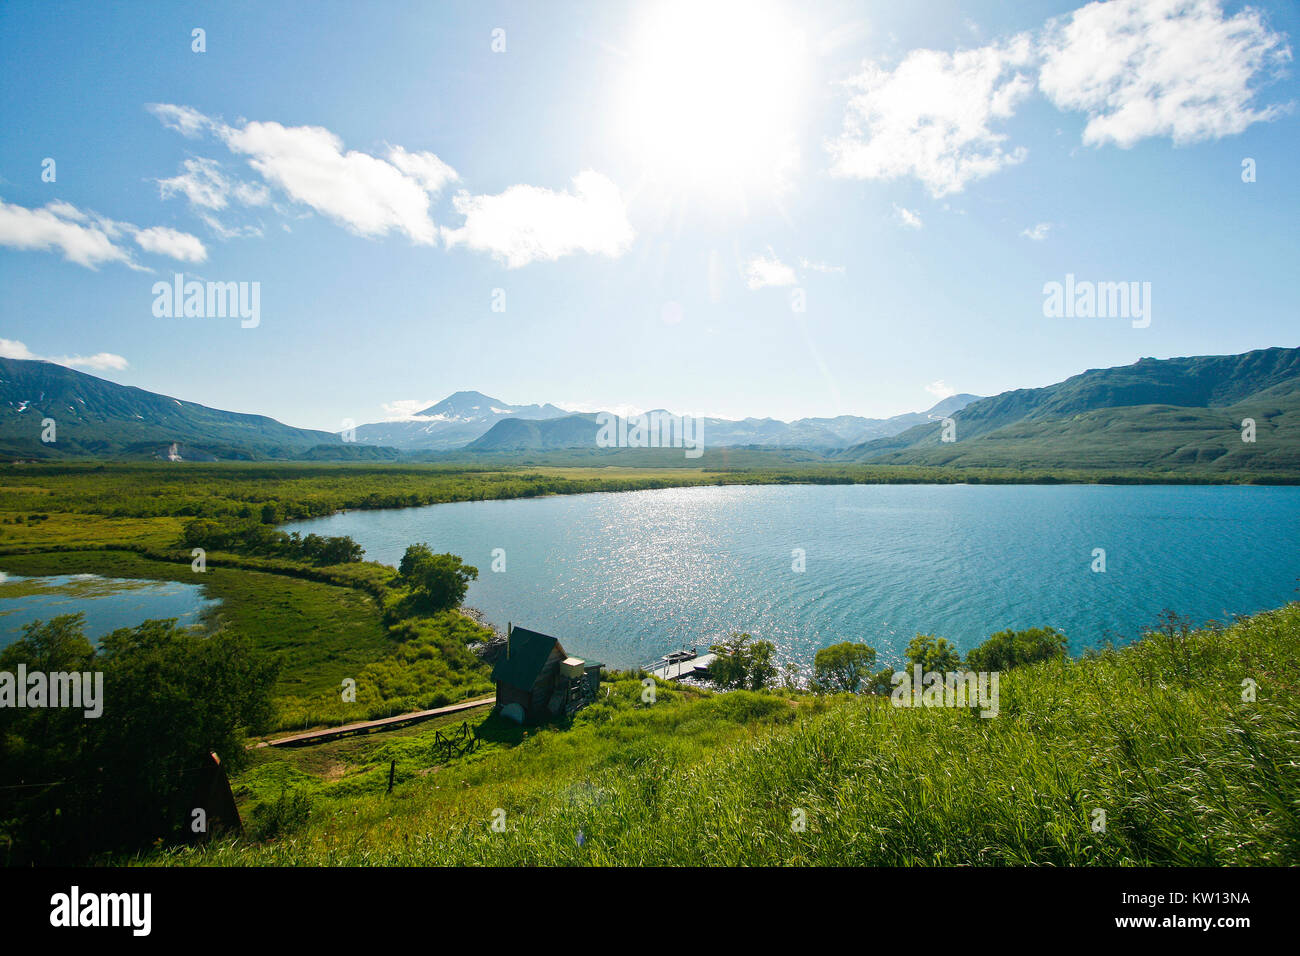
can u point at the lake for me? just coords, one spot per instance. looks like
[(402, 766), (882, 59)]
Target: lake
[(624, 577), (108, 603)]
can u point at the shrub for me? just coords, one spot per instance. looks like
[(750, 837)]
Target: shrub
[(741, 664), (1008, 649), (842, 667)]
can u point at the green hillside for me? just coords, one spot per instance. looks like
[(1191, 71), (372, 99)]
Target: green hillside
[(94, 417), (1158, 736), (1183, 413)]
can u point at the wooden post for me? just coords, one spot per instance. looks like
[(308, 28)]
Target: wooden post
[(392, 771)]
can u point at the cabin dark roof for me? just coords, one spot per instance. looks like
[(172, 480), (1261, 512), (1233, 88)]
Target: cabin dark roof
[(528, 653)]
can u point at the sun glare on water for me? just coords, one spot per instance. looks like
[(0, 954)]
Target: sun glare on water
[(712, 94)]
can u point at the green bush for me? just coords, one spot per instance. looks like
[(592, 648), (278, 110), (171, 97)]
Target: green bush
[(1008, 649)]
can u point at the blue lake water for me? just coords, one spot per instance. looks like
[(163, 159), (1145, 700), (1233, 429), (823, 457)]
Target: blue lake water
[(107, 603), (625, 577)]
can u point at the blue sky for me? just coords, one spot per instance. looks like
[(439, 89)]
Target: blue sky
[(656, 188)]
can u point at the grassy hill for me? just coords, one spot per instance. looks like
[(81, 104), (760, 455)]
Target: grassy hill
[(99, 418), (1156, 736), (1183, 413)]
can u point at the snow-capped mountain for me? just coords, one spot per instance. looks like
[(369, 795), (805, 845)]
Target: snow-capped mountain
[(451, 423)]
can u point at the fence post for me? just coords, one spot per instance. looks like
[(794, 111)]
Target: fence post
[(392, 770)]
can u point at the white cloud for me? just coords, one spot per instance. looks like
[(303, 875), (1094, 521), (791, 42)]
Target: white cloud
[(1138, 68), (940, 389), (1177, 68), (62, 227), (1037, 232), (404, 409), (767, 270), (820, 267), (185, 120), (209, 189), (428, 170), (907, 217), (100, 361), (222, 231), (65, 210), (87, 238), (366, 194), (170, 242), (372, 196), (205, 185), (528, 223), (251, 194), (11, 349), (931, 117)]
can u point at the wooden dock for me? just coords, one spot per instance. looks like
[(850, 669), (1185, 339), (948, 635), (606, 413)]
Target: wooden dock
[(370, 726), (677, 666)]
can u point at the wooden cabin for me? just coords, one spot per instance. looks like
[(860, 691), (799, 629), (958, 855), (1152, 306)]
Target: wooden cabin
[(537, 680)]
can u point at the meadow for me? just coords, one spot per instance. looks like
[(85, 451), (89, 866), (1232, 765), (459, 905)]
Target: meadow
[(1153, 754)]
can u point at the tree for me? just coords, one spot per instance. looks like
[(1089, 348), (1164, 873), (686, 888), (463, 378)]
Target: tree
[(1008, 649), (126, 778), (438, 582), (743, 665), (416, 556), (843, 667), (881, 682), (933, 653), (340, 550)]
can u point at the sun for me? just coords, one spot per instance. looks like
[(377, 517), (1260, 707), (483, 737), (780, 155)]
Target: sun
[(712, 95)]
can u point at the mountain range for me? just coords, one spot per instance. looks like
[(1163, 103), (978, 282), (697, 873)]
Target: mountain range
[(1156, 413), (579, 430)]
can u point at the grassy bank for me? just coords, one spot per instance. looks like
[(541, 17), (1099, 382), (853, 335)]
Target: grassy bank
[(1156, 736), (323, 633)]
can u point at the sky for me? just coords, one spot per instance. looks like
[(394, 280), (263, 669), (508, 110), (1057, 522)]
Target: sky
[(719, 208)]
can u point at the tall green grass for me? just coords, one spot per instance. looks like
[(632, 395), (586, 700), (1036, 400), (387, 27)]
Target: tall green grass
[(1156, 736)]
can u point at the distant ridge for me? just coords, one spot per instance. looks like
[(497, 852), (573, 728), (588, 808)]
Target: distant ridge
[(579, 431)]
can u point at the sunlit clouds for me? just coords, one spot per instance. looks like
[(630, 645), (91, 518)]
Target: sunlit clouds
[(934, 117), (1176, 68), (1181, 69), (526, 223), (90, 240), (373, 196)]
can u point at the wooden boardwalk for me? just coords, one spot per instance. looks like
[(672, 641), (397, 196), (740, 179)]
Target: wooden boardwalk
[(365, 727)]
